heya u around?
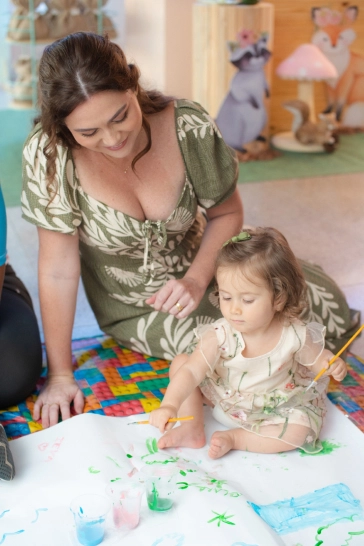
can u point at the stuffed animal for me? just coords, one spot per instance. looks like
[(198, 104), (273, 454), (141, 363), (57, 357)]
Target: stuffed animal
[(20, 22), (22, 90), (65, 17), (242, 115), (323, 132), (334, 36), (94, 12)]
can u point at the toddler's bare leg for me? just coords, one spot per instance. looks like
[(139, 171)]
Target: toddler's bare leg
[(238, 438), (188, 433)]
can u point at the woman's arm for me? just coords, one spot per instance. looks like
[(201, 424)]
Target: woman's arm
[(59, 274), (225, 220)]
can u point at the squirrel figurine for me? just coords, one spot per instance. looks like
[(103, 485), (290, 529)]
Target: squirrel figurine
[(323, 132)]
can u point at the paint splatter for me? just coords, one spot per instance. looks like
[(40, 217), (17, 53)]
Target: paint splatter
[(350, 533), (327, 449), (242, 544), (9, 534), (37, 513), (166, 461), (322, 506), (204, 486), (113, 460), (152, 447), (1, 515), (129, 456), (93, 470), (115, 480), (176, 537), (221, 518)]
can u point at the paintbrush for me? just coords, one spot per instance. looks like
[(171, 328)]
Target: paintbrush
[(172, 420), (334, 358)]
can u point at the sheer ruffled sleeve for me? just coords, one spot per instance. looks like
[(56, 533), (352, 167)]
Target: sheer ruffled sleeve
[(215, 343), (313, 345)]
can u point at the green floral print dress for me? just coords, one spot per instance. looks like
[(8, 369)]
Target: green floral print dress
[(124, 261)]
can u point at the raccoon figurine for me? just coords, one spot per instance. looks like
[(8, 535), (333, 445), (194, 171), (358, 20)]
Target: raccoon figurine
[(242, 115)]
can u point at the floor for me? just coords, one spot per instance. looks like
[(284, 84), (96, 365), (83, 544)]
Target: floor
[(322, 218)]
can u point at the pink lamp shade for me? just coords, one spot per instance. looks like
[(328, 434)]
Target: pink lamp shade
[(307, 62)]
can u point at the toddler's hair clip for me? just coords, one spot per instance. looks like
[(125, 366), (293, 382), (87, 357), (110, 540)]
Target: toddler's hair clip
[(243, 236)]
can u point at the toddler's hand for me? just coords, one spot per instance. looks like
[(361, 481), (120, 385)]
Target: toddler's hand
[(159, 417), (338, 369)]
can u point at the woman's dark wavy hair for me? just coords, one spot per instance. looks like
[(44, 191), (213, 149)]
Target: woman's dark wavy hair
[(72, 70), (267, 256)]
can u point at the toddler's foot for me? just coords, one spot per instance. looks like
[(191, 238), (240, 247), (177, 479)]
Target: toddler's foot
[(221, 443), (7, 470), (183, 436)]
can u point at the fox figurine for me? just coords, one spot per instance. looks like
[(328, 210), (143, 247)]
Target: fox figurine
[(334, 35)]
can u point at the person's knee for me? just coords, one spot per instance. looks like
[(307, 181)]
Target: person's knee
[(20, 350), (176, 363)]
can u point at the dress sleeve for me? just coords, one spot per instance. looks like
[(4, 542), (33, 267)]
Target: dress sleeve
[(2, 229), (313, 345), (211, 165), (216, 343), (61, 213)]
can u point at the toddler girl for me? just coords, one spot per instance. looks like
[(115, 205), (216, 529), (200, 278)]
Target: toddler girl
[(254, 364)]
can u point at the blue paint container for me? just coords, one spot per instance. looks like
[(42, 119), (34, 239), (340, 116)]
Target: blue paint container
[(90, 513)]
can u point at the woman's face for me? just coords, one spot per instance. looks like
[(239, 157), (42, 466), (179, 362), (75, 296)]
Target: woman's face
[(109, 122)]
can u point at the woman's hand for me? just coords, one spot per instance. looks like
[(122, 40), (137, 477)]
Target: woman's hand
[(186, 292), (159, 417), (55, 398)]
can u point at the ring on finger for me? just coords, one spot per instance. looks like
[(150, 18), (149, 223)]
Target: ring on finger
[(179, 306)]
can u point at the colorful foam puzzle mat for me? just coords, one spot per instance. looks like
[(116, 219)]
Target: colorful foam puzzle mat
[(118, 382)]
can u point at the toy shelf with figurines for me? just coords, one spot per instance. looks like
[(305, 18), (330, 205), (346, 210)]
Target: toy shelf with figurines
[(34, 23)]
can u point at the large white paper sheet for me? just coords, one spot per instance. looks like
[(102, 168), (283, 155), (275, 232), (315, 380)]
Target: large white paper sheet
[(306, 500)]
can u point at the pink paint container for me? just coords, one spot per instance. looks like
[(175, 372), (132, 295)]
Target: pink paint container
[(126, 498)]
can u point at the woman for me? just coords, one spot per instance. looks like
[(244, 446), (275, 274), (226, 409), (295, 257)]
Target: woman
[(114, 176), (20, 346)]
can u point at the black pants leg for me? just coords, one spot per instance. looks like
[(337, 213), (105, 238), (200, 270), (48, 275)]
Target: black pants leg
[(20, 345)]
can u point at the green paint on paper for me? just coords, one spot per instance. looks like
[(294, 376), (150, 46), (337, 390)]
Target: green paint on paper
[(129, 456), (221, 518), (93, 470), (115, 480), (152, 447), (183, 473), (320, 529), (327, 449), (218, 483), (113, 460), (352, 533), (215, 489), (166, 461)]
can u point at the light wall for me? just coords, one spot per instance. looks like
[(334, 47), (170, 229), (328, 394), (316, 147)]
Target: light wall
[(158, 38)]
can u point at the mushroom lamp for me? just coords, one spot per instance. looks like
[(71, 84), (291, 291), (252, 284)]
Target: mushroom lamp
[(307, 64)]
